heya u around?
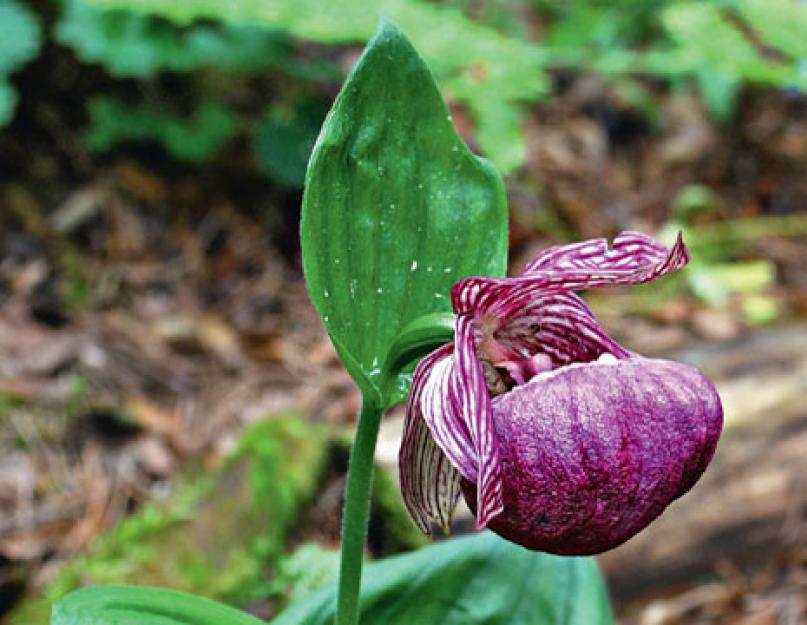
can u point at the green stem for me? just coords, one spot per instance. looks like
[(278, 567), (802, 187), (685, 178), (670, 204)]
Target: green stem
[(356, 511), (420, 335)]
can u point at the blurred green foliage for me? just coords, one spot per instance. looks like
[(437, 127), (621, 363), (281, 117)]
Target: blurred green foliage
[(479, 68), (9, 401), (20, 41), (715, 275), (308, 568), (194, 137), (710, 45), (780, 24), (720, 45), (284, 137), (187, 543), (491, 57), (129, 44)]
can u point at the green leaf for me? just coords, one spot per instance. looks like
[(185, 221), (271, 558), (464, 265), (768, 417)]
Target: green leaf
[(499, 130), (8, 101), (284, 139), (191, 138), (508, 71), (396, 208), (131, 44), (719, 92), (779, 23), (468, 581), (708, 41), (141, 605), (20, 36), (20, 40), (418, 338), (714, 282)]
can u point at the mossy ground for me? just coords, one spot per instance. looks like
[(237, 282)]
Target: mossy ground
[(225, 534)]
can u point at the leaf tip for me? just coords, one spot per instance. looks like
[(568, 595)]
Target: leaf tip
[(388, 32), (386, 28)]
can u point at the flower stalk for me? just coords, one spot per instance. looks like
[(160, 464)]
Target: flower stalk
[(420, 336), (356, 512)]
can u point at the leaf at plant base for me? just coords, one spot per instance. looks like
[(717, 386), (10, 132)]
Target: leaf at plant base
[(468, 581), (396, 207), (141, 605)]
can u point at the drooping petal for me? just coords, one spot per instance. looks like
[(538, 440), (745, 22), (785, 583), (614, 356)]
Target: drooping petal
[(633, 258), (469, 387), (429, 482), (560, 325), (450, 396), (593, 452), (440, 409)]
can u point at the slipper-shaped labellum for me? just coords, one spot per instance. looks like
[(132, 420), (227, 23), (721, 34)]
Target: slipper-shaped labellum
[(559, 439)]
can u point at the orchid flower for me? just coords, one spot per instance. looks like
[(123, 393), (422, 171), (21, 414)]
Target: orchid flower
[(559, 438)]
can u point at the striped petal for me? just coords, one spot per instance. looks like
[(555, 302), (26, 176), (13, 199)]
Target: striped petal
[(429, 482), (519, 328), (632, 259), (449, 395), (630, 252), (560, 325), (470, 389), (440, 408)]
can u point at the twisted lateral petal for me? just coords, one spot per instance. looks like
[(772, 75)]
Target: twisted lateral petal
[(468, 385), (560, 325), (634, 258), (429, 483), (631, 251), (439, 408)]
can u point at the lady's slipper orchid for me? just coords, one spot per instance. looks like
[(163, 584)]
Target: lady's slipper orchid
[(559, 438)]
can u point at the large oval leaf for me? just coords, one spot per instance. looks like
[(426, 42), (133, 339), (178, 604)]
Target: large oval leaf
[(140, 605), (475, 580), (396, 208)]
